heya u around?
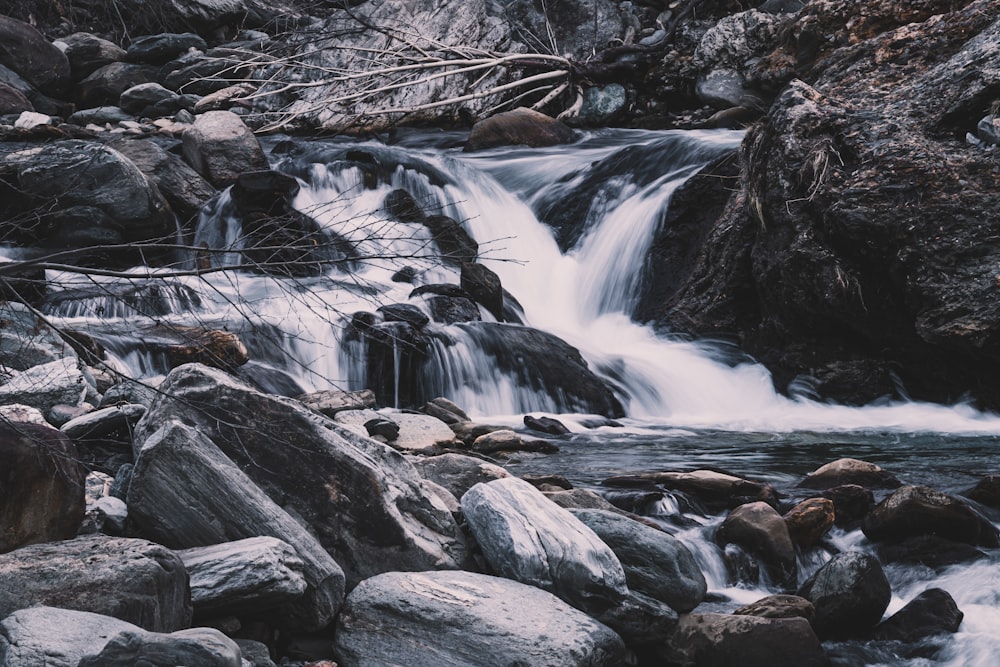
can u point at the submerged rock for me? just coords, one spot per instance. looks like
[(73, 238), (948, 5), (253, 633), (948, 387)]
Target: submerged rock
[(749, 641), (850, 471)]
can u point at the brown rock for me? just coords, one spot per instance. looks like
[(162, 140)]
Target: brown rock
[(919, 510), (809, 521), (26, 51), (779, 606), (724, 640), (520, 126), (758, 528), (850, 471), (851, 502), (717, 490)]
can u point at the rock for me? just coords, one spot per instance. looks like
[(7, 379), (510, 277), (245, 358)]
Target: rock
[(988, 129), (583, 499), (521, 126), (462, 618), (220, 147), (106, 515), (639, 619), (545, 425), (27, 341), (226, 98), (105, 115), (851, 502), (445, 410), (809, 521), (87, 52), (933, 612), (164, 47), (105, 85), (404, 312), (733, 45), (601, 104), (256, 653), (183, 345), (27, 52), (656, 563), (447, 309), (378, 517), (779, 606), (194, 646), (130, 579), (386, 429), (986, 491), (726, 88), (244, 576), (46, 385), (716, 490), (103, 422), (13, 101), (415, 433), (458, 473), (43, 492), (138, 99), (849, 471), (525, 537), (54, 637), (508, 441), (457, 247), (330, 402), (718, 640), (918, 510), (131, 392), (483, 285), (850, 594), (929, 550), (22, 414), (758, 528), (185, 493)]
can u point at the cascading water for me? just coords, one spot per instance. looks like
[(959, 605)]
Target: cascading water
[(567, 230)]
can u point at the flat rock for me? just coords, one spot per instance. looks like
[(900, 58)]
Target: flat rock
[(104, 421), (717, 490), (416, 432), (456, 619)]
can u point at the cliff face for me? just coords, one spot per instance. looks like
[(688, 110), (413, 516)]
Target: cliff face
[(863, 244)]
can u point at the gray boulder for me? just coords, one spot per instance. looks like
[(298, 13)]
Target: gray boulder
[(244, 576), (186, 493), (130, 579), (220, 147), (54, 637), (44, 386), (204, 647), (137, 99), (850, 594), (525, 537), (364, 501), (656, 563), (330, 402), (100, 423), (455, 619), (458, 473), (416, 432)]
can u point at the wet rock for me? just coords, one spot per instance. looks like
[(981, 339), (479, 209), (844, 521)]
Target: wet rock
[(918, 510), (850, 594), (639, 619), (220, 147), (183, 345), (55, 637), (656, 563), (13, 101), (457, 247), (583, 499), (548, 482), (380, 516), (758, 528), (451, 308), (138, 99), (462, 618), (929, 550), (850, 471), (483, 285), (404, 312), (42, 484), (717, 490), (194, 646), (508, 441), (330, 402), (27, 52), (779, 606), (105, 85), (933, 612), (103, 115), (186, 493), (545, 425), (986, 491), (130, 579), (529, 539), (809, 521), (458, 473), (518, 127), (243, 576), (87, 52), (445, 410), (46, 385), (164, 47), (718, 640), (851, 502)]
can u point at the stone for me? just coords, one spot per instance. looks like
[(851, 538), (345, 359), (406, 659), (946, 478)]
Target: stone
[(164, 47), (583, 499), (130, 579), (105, 85), (416, 433), (758, 528), (445, 410), (601, 104), (87, 52), (363, 500), (639, 620), (809, 521), (133, 392), (27, 52), (205, 647), (182, 345), (455, 619), (779, 606), (930, 550), (446, 309), (545, 424), (919, 510), (186, 493), (103, 115), (720, 640), (988, 130), (850, 593), (849, 471), (458, 473), (525, 537), (46, 385), (225, 99), (455, 245), (106, 515), (220, 147), (42, 484), (933, 612), (331, 401), (521, 126), (717, 490), (484, 286), (137, 99), (851, 502), (27, 341), (13, 101), (103, 422), (54, 637), (16, 414), (986, 491), (656, 563), (243, 576), (404, 312)]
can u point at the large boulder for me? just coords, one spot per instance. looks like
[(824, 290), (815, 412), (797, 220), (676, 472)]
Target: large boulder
[(206, 647), (721, 640), (460, 618), (41, 485), (220, 147), (87, 52), (656, 563), (186, 493), (130, 579), (850, 593), (364, 501), (918, 510), (525, 537), (27, 52), (55, 637)]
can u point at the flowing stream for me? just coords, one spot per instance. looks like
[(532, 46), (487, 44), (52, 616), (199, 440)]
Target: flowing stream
[(687, 404)]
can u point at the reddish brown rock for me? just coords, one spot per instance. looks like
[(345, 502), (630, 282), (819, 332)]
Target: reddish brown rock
[(809, 521)]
